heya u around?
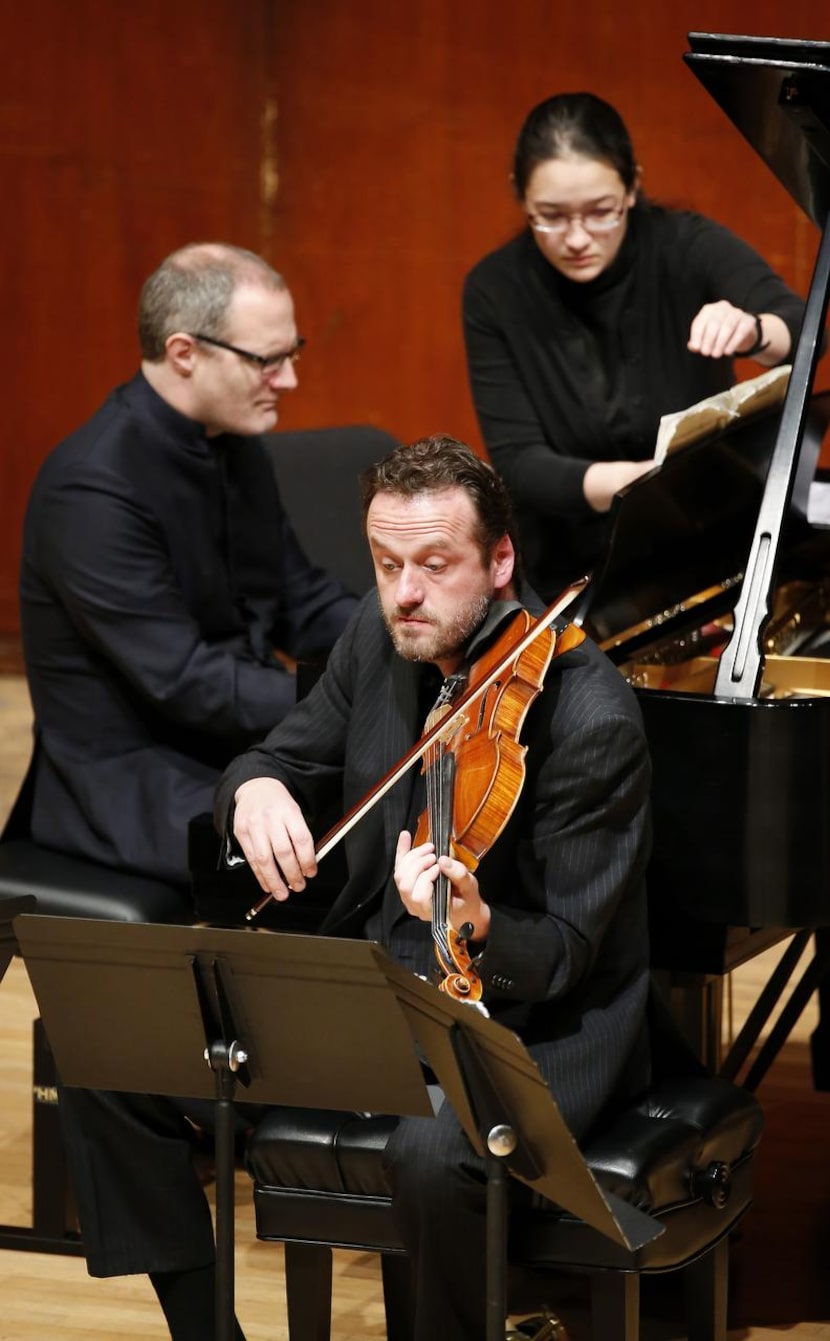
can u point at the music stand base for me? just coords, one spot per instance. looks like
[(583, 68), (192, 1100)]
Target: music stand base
[(19, 1238)]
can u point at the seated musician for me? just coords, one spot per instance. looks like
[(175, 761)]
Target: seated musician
[(159, 572), (605, 313), (554, 916)]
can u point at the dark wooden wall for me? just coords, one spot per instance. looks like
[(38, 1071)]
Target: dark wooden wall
[(363, 147)]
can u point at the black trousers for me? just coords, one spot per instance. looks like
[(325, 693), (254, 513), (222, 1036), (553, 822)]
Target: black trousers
[(439, 1202), (143, 1209), (141, 1204)]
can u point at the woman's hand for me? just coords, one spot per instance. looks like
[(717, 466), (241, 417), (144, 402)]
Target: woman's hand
[(603, 479), (722, 331), (277, 843), (416, 871)]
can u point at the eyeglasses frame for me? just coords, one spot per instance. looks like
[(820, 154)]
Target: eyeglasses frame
[(555, 230), (266, 363)]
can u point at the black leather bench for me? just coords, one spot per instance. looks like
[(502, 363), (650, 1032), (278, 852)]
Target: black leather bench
[(67, 887), (684, 1154)]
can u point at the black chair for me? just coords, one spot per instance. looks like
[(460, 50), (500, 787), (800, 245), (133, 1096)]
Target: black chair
[(684, 1154), (317, 472), (65, 886)]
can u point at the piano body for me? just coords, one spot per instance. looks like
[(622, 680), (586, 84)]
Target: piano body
[(714, 600)]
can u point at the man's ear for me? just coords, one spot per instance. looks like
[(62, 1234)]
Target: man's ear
[(503, 562), (180, 353)]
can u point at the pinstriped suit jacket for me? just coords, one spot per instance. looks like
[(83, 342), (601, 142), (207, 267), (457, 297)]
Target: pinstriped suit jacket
[(566, 961)]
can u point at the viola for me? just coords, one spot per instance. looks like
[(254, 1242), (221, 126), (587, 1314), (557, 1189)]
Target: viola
[(475, 770), (474, 767)]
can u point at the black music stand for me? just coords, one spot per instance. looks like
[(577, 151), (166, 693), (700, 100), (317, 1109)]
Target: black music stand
[(512, 1120), (305, 1021)]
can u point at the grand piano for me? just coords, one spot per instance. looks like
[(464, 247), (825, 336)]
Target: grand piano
[(714, 600)]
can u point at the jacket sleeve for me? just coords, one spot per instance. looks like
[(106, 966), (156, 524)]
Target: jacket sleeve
[(307, 750), (106, 562), (581, 860), (727, 267)]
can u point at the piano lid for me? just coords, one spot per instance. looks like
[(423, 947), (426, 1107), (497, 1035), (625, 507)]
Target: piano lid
[(776, 91)]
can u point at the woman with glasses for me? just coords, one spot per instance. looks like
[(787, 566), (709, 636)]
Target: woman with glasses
[(605, 313)]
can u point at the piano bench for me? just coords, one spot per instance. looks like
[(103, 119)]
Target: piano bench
[(68, 887), (684, 1154)]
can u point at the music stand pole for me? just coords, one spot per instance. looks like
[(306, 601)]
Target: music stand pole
[(502, 1151), (227, 1059), (501, 1142)]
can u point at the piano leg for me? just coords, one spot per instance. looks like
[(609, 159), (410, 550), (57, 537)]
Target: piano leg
[(696, 1002), (768, 999), (810, 980), (781, 1030), (820, 1038)]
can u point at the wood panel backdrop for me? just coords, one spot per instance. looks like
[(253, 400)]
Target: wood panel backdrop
[(363, 147)]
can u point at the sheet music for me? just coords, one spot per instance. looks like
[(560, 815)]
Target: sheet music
[(715, 412)]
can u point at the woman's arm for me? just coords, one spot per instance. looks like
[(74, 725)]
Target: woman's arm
[(721, 330), (539, 477), (750, 311)]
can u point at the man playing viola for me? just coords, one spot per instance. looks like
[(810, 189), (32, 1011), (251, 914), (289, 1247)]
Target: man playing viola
[(554, 915)]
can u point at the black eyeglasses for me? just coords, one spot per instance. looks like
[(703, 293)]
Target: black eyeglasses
[(597, 221), (266, 363)]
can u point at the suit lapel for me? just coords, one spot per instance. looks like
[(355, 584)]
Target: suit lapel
[(401, 728)]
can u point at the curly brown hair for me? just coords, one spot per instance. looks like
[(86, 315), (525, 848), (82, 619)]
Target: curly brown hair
[(437, 463)]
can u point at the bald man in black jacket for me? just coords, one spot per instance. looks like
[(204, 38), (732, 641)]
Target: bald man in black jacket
[(160, 572)]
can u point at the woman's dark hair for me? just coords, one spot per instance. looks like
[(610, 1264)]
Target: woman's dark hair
[(573, 123), (434, 464)]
